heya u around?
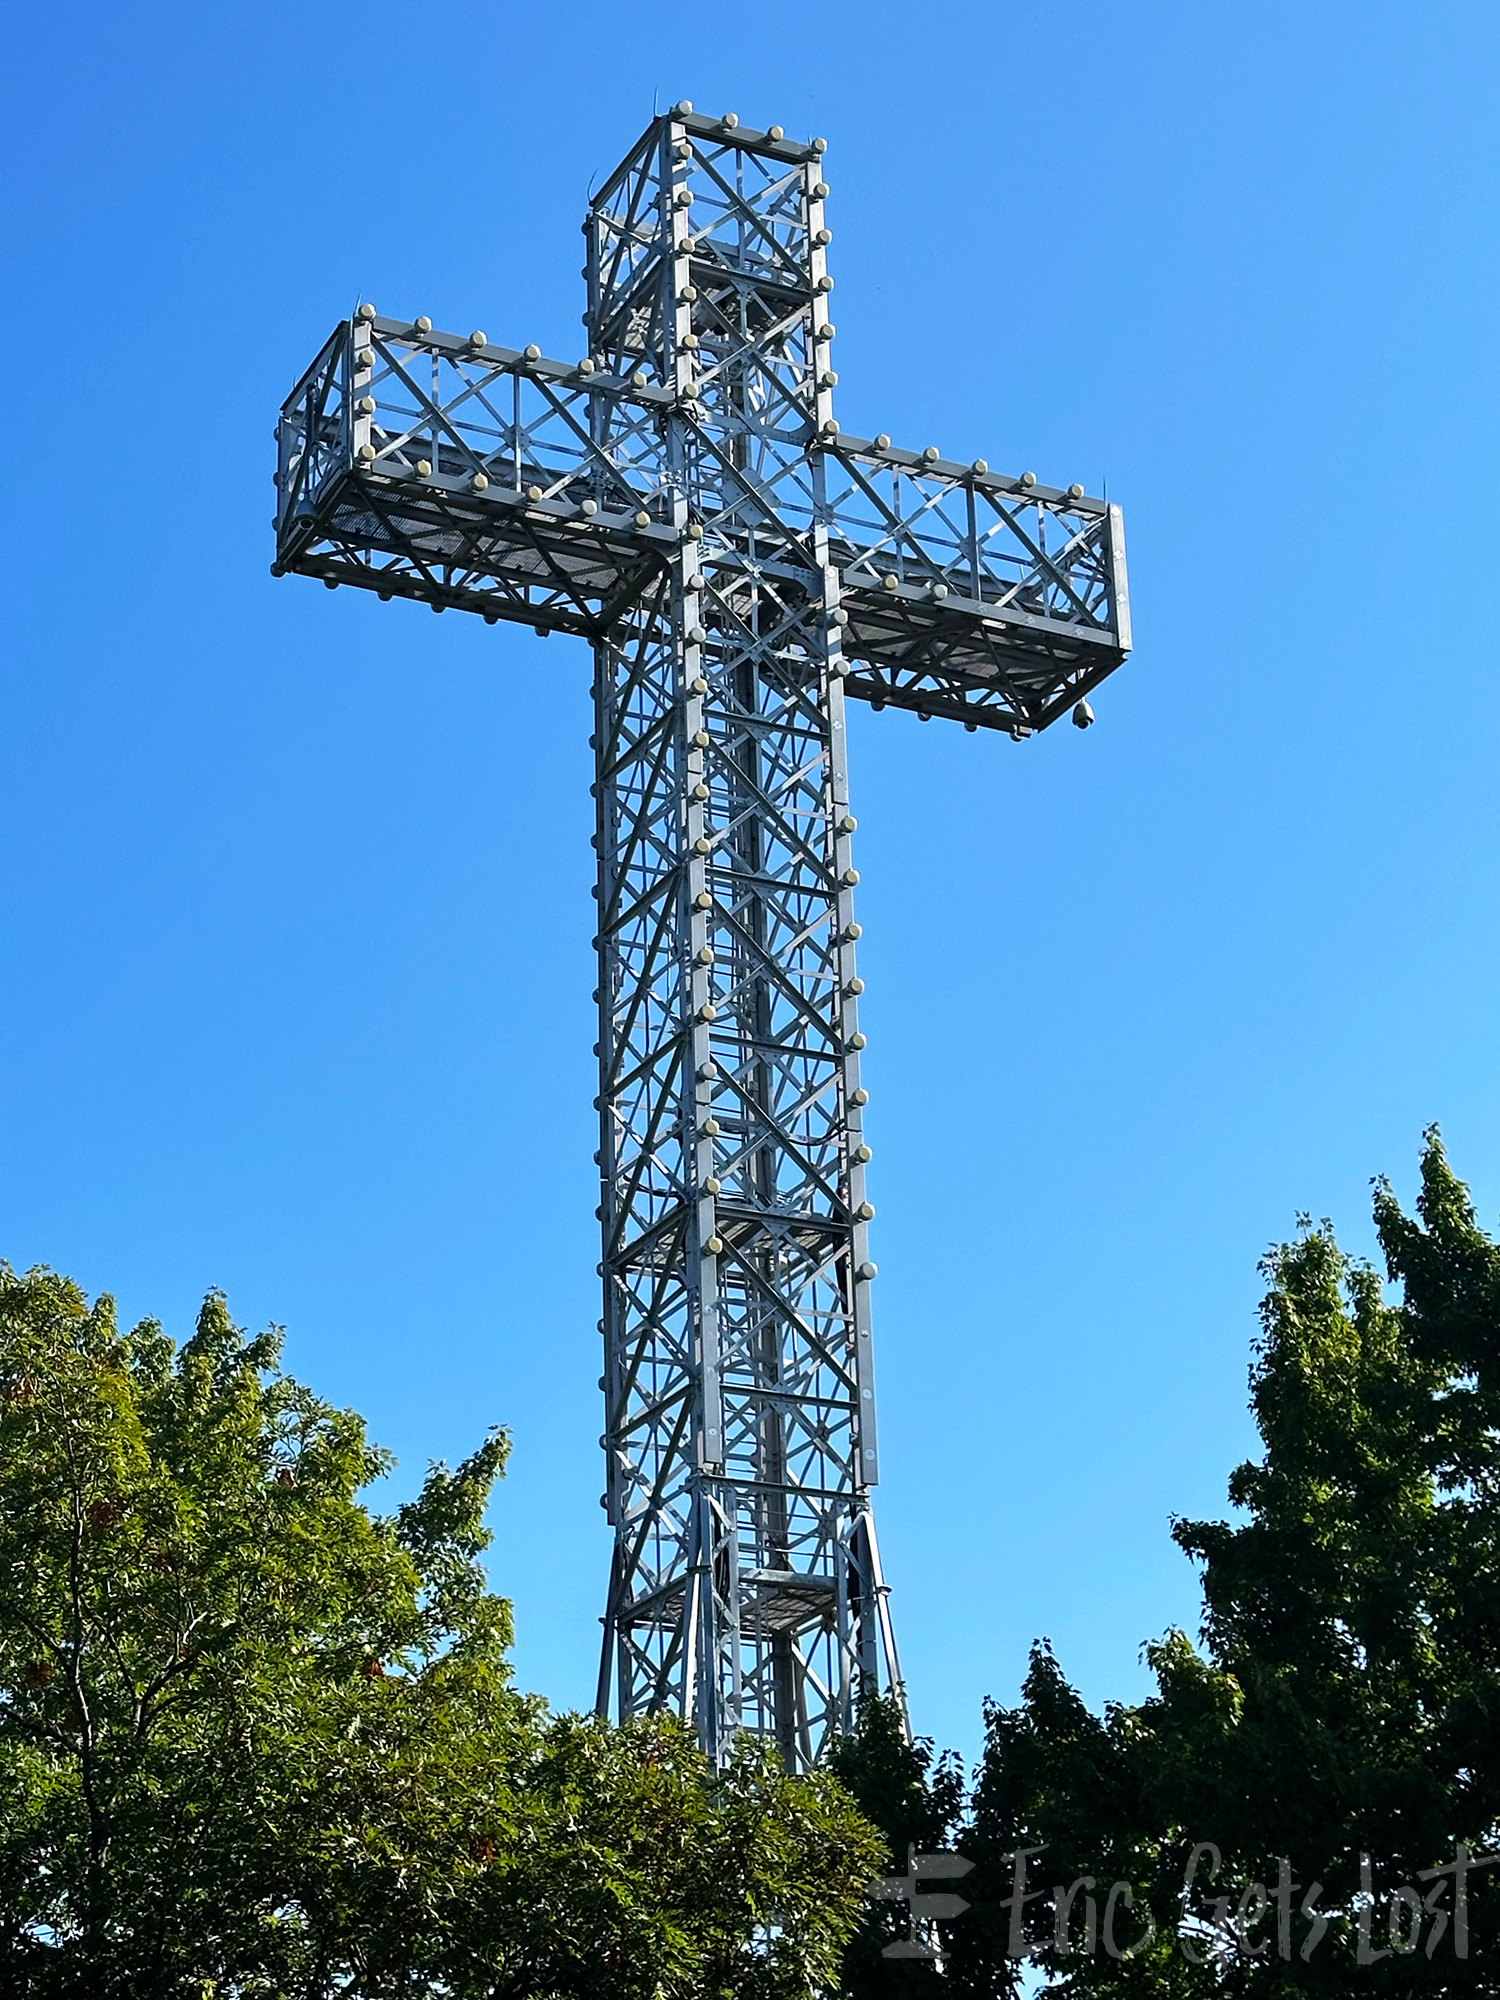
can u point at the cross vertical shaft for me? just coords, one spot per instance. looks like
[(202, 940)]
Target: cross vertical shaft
[(745, 1590)]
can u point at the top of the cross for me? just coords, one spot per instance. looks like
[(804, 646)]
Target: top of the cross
[(727, 130), (699, 418)]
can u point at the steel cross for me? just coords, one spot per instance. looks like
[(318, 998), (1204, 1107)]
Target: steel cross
[(684, 499)]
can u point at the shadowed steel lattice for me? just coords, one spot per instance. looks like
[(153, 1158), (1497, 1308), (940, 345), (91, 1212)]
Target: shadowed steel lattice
[(683, 498)]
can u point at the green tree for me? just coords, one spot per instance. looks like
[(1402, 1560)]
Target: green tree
[(1346, 1700), (258, 1740), (917, 1804)]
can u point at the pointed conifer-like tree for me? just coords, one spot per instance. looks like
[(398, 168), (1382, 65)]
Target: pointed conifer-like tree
[(1340, 1721)]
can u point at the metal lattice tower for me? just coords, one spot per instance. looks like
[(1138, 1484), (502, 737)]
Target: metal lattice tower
[(683, 498)]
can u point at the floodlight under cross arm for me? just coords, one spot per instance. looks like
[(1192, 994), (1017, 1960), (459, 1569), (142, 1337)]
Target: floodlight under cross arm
[(683, 498)]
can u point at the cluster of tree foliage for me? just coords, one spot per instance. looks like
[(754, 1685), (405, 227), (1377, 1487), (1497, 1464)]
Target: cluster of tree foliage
[(1345, 1702), (918, 1804), (258, 1740)]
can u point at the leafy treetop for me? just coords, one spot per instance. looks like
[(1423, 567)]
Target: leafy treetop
[(257, 1740), (1346, 1700)]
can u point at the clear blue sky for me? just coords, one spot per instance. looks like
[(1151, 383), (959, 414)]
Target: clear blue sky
[(294, 886)]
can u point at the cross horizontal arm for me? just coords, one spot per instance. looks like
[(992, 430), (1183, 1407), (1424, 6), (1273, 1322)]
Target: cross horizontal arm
[(491, 479), (980, 596), (472, 477)]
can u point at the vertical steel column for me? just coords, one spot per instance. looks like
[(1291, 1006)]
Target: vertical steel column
[(740, 1434)]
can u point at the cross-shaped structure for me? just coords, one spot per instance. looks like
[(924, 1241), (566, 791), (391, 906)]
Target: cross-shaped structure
[(683, 498)]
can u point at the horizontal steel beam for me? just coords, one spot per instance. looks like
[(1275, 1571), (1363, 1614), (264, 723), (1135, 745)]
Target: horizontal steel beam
[(438, 467)]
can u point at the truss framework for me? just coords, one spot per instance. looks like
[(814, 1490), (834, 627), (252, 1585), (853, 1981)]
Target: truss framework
[(683, 497)]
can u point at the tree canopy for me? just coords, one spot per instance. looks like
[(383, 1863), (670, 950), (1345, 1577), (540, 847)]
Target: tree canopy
[(257, 1739), (917, 1803), (1340, 1724)]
